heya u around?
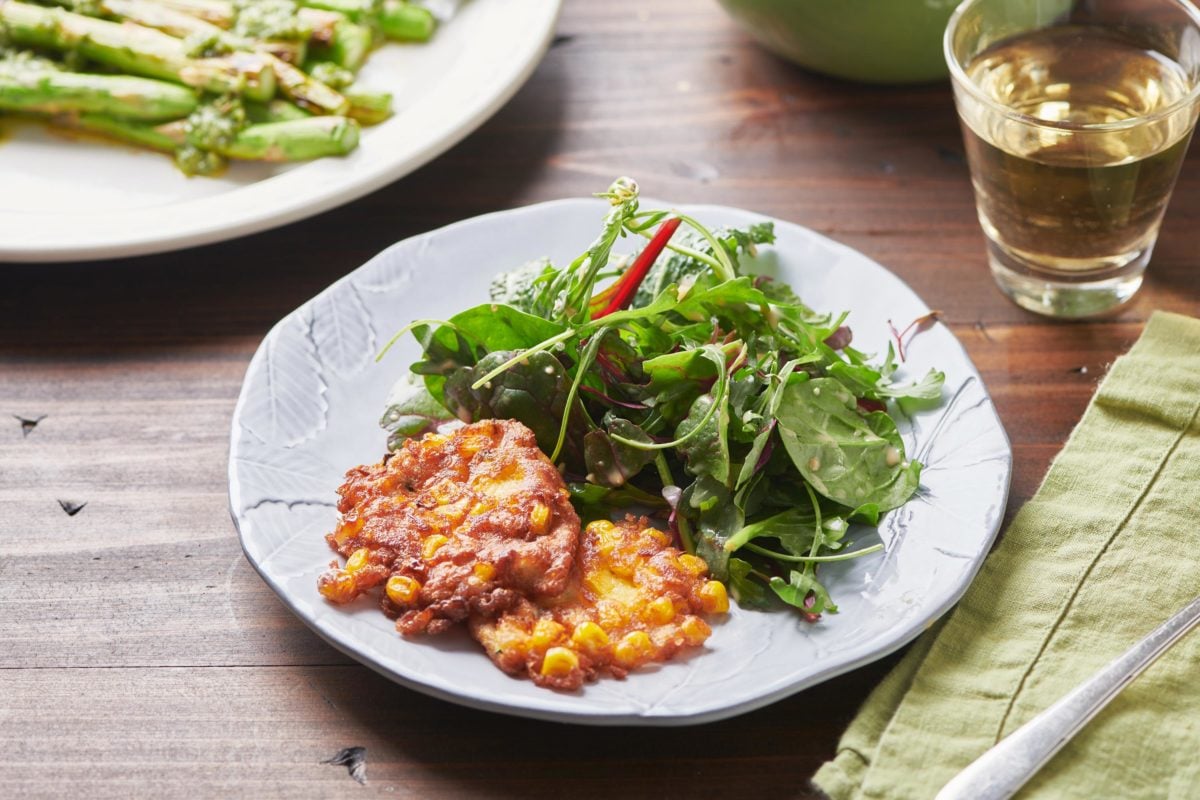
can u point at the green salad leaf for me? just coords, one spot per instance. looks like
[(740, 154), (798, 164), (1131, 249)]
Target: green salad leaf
[(847, 456), (412, 411)]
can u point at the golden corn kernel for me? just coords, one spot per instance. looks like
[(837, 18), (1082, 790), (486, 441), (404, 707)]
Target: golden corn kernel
[(338, 586), (545, 633), (633, 649), (357, 560), (623, 567), (657, 535), (601, 528), (539, 519), (470, 445), (349, 529), (695, 630), (402, 590), (693, 564), (559, 661), (484, 571), (432, 545), (589, 636), (713, 598), (660, 611)]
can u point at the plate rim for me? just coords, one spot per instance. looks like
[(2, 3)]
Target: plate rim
[(863, 654), (518, 70)]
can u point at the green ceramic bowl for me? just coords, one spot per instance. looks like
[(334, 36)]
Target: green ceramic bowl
[(875, 41)]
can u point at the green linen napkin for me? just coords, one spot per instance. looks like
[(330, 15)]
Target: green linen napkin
[(1107, 549)]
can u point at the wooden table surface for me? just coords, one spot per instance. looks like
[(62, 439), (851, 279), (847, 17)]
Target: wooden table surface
[(140, 655)]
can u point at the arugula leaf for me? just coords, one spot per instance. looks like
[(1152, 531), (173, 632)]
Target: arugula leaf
[(745, 590), (625, 496), (796, 524), (573, 293), (772, 397), (728, 300), (851, 458), (871, 383), (928, 388), (682, 269), (799, 588), (800, 540)]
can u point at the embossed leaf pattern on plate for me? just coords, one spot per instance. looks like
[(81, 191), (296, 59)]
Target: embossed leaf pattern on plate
[(291, 406)]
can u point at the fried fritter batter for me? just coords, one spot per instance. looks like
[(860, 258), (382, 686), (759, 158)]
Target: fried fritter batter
[(455, 526), (632, 599)]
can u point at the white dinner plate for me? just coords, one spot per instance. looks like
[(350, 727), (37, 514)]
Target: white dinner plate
[(313, 395), (74, 200)]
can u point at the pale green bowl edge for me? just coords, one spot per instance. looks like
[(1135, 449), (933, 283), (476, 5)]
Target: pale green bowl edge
[(872, 41)]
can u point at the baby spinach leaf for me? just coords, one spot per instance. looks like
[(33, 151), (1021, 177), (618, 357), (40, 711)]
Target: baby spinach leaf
[(533, 392), (710, 505), (497, 326), (611, 463), (620, 497), (412, 411), (851, 458), (689, 366), (707, 452), (524, 287)]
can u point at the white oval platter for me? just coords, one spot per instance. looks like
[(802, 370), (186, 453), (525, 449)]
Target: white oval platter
[(78, 200)]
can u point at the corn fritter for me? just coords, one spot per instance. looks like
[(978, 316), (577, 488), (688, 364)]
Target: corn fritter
[(457, 525)]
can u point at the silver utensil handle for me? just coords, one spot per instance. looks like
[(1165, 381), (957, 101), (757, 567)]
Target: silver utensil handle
[(1004, 769)]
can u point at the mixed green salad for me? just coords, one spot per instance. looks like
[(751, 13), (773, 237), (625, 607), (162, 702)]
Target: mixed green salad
[(679, 384)]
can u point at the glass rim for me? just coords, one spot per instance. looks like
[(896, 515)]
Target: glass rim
[(959, 76)]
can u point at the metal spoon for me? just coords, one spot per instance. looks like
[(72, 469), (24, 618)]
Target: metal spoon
[(1004, 769)]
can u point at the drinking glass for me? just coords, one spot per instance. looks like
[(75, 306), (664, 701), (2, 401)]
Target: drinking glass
[(1076, 117)]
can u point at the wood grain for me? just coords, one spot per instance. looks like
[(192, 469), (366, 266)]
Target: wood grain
[(139, 653)]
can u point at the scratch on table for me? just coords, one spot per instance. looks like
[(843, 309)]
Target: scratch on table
[(28, 423), (355, 761), (72, 507)]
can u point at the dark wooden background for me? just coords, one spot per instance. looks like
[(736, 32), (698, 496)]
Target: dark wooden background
[(139, 652)]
